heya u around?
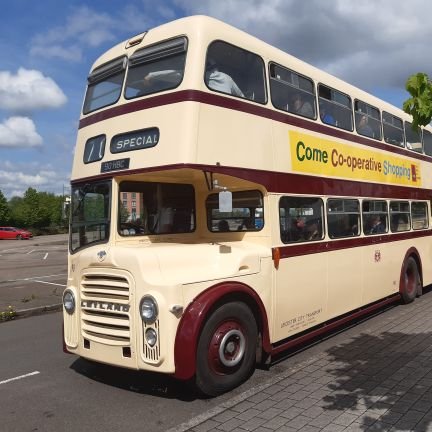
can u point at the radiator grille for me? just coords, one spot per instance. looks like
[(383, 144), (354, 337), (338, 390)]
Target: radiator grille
[(105, 307)]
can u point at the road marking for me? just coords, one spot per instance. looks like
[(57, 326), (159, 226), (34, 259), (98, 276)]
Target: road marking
[(19, 377), (29, 252), (45, 257), (32, 278), (49, 283)]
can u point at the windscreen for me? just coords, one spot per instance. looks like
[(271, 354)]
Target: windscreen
[(90, 214)]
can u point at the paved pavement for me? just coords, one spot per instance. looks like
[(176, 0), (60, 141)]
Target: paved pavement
[(374, 376)]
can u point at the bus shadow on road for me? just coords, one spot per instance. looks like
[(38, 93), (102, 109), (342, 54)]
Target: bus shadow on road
[(135, 381)]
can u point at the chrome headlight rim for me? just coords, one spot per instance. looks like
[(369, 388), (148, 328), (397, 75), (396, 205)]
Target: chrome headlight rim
[(151, 337), (151, 306), (69, 299)]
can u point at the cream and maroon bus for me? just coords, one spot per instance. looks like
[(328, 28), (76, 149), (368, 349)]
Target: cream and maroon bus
[(230, 200)]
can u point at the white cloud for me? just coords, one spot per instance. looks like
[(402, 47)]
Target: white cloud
[(29, 90), (84, 28), (19, 132), (16, 178)]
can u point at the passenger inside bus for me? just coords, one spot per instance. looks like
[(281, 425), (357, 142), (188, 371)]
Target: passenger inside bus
[(220, 81), (363, 128), (376, 225), (326, 115), (301, 106), (311, 231)]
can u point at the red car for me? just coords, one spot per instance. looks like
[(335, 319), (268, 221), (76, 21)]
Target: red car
[(14, 233)]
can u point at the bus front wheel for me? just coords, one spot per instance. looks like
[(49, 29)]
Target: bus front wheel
[(410, 281), (226, 349)]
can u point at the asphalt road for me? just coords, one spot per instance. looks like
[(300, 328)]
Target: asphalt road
[(32, 272)]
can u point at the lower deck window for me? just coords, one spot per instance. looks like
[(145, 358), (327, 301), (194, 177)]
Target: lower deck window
[(246, 214), (400, 217), (343, 218), (301, 219)]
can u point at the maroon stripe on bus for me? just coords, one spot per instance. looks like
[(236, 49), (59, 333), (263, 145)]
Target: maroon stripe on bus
[(242, 106), (293, 250), (300, 184)]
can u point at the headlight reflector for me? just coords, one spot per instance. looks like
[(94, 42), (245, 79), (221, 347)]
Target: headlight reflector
[(69, 301), (148, 309), (151, 337)]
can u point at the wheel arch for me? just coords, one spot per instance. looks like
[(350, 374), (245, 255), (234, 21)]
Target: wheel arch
[(200, 309)]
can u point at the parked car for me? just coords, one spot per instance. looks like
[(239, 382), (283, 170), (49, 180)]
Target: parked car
[(14, 233)]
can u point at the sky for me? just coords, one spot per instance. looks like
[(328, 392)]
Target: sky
[(48, 46)]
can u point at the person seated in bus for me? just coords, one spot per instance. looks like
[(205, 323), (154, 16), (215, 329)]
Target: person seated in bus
[(302, 107), (220, 81), (326, 116), (246, 225), (363, 128), (223, 225), (312, 231), (376, 225)]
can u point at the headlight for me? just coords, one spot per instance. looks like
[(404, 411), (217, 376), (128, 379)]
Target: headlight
[(69, 301), (151, 337), (148, 309)]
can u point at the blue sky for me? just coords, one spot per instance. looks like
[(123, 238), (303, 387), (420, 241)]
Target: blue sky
[(48, 46)]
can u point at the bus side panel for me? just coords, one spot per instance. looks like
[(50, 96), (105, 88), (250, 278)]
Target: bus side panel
[(344, 281), (300, 299)]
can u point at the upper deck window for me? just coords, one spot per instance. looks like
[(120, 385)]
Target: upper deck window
[(235, 71), (292, 92), (427, 142), (104, 85), (393, 129), (413, 138), (335, 108), (156, 68), (368, 120)]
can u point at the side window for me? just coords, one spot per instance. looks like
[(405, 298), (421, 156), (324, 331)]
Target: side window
[(419, 215), (156, 68), (367, 119), (375, 217), (246, 215), (400, 217), (393, 129), (343, 218), (427, 142), (301, 219), (292, 92), (235, 71), (413, 138), (335, 108)]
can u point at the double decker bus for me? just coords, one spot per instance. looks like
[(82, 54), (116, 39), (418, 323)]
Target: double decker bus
[(229, 201)]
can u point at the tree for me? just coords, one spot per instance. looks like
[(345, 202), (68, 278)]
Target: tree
[(4, 210), (419, 105)]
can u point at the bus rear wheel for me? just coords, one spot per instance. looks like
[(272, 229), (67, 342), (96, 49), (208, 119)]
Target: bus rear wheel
[(410, 281), (226, 349)]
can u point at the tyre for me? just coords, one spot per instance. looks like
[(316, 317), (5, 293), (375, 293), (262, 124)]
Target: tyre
[(19, 237), (411, 283), (226, 349)]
